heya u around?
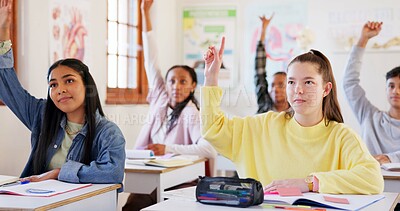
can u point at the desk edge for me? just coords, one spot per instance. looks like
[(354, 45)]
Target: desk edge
[(79, 198)]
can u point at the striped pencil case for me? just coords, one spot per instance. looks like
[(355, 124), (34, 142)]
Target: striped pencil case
[(229, 191)]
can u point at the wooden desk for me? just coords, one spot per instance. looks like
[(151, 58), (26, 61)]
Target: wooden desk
[(392, 181), (144, 179), (95, 197), (186, 204)]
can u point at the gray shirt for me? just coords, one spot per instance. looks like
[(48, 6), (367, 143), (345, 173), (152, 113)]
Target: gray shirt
[(380, 132)]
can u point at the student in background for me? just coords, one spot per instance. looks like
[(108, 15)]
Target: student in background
[(71, 139), (276, 100), (318, 151), (380, 129), (173, 124)]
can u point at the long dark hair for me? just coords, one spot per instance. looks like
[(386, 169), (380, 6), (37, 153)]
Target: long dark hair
[(330, 103), (53, 115), (180, 106)]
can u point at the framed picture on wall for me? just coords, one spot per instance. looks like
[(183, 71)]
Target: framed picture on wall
[(204, 26)]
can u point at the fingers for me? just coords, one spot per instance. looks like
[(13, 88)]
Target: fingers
[(382, 159), (374, 25), (25, 179), (209, 54), (271, 186), (30, 179), (222, 47)]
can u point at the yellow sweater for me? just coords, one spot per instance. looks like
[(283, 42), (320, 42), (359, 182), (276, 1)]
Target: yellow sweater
[(270, 147)]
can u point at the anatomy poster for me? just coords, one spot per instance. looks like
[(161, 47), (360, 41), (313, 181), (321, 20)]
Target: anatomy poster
[(68, 28), (282, 35)]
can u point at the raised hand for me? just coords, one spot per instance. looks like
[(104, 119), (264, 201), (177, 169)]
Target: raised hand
[(213, 62), (5, 19), (369, 30), (265, 21), (146, 5)]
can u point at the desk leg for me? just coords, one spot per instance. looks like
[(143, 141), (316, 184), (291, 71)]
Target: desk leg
[(159, 195)]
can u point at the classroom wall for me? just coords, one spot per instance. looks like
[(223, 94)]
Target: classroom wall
[(240, 100)]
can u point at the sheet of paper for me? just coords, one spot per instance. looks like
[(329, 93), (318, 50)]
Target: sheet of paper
[(289, 191), (42, 189), (336, 200)]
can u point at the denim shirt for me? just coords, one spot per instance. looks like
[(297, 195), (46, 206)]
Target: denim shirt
[(108, 149)]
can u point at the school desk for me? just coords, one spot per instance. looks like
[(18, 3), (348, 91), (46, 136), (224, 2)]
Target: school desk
[(184, 200), (392, 181), (95, 197), (144, 179)]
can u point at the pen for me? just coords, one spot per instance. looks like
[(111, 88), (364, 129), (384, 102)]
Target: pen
[(15, 183)]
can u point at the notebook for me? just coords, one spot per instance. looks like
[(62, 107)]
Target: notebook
[(45, 188), (139, 154), (169, 162), (7, 179), (355, 202), (391, 166), (166, 161)]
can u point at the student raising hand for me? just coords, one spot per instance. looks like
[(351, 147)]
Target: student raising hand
[(71, 138), (369, 30), (213, 64)]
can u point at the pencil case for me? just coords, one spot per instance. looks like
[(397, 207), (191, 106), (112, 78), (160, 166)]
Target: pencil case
[(229, 191)]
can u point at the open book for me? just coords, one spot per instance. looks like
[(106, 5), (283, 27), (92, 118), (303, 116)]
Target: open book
[(166, 161), (391, 166), (169, 162), (355, 202), (7, 179), (44, 188)]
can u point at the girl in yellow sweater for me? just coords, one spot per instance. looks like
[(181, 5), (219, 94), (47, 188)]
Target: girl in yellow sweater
[(307, 147)]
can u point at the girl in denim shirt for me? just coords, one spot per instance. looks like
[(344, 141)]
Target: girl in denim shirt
[(71, 139)]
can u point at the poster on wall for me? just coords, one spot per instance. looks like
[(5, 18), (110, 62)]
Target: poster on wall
[(68, 28), (345, 26), (203, 27), (287, 28)]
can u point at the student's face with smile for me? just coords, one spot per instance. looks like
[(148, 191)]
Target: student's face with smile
[(67, 91), (179, 85), (393, 92), (305, 89)]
